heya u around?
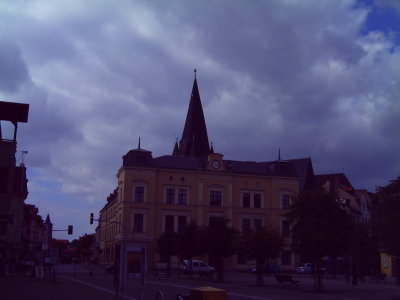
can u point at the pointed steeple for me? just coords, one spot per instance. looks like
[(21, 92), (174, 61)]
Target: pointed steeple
[(194, 140), (176, 148), (47, 219)]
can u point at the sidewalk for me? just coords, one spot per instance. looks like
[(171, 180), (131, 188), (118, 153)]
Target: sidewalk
[(18, 288)]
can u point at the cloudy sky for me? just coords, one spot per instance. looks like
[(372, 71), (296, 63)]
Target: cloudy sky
[(314, 78)]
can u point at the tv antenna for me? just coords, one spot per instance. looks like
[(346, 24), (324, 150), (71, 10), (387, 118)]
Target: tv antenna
[(23, 153)]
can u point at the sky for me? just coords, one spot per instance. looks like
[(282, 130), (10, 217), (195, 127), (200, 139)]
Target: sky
[(312, 78)]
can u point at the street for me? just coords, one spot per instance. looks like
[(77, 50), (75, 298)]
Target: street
[(78, 282)]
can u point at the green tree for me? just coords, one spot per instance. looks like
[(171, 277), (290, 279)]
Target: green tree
[(389, 220), (219, 242), (261, 244), (190, 242), (84, 245), (167, 246), (320, 227), (363, 247)]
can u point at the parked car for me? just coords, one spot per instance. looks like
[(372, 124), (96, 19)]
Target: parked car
[(76, 260), (308, 268), (110, 269), (196, 266), (267, 269)]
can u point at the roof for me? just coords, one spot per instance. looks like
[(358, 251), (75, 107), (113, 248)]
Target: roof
[(14, 112), (338, 180), (192, 163), (194, 140), (305, 170)]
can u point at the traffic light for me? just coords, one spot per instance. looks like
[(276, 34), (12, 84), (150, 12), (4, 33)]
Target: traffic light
[(91, 218), (70, 229)]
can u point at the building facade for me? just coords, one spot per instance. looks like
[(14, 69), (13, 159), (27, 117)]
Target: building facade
[(158, 194), (13, 182)]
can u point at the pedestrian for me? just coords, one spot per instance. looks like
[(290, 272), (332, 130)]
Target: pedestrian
[(354, 274), (347, 271)]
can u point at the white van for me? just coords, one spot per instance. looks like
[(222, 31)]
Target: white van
[(198, 266)]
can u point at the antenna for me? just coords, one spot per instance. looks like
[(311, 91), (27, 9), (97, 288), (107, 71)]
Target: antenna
[(23, 153)]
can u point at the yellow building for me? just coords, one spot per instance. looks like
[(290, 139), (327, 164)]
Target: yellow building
[(157, 194)]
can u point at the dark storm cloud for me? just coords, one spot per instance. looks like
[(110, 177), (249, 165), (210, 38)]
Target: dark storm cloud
[(295, 75), (13, 72)]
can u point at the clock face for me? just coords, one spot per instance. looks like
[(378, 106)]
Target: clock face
[(215, 164)]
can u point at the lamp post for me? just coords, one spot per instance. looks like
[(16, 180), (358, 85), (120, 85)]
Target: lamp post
[(54, 257), (117, 253)]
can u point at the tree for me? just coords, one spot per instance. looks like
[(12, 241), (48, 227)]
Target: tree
[(260, 243), (320, 227), (389, 220), (167, 245), (84, 245), (189, 242), (363, 247), (219, 242)]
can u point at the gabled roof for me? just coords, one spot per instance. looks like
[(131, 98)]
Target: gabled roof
[(194, 140), (305, 170), (338, 180)]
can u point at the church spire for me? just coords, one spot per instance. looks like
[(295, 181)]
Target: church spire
[(176, 148), (194, 140)]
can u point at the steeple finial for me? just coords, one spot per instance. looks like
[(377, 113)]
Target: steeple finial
[(279, 153), (139, 143), (195, 71), (212, 148)]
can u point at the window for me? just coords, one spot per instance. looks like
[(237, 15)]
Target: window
[(286, 258), (257, 200), (257, 223), (246, 224), (285, 201), (169, 223), (170, 196), (138, 223), (139, 194), (246, 199), (182, 196), (252, 199), (119, 195), (181, 223), (175, 195), (285, 228), (215, 198)]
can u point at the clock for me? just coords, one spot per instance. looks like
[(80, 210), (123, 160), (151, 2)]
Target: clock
[(215, 164)]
